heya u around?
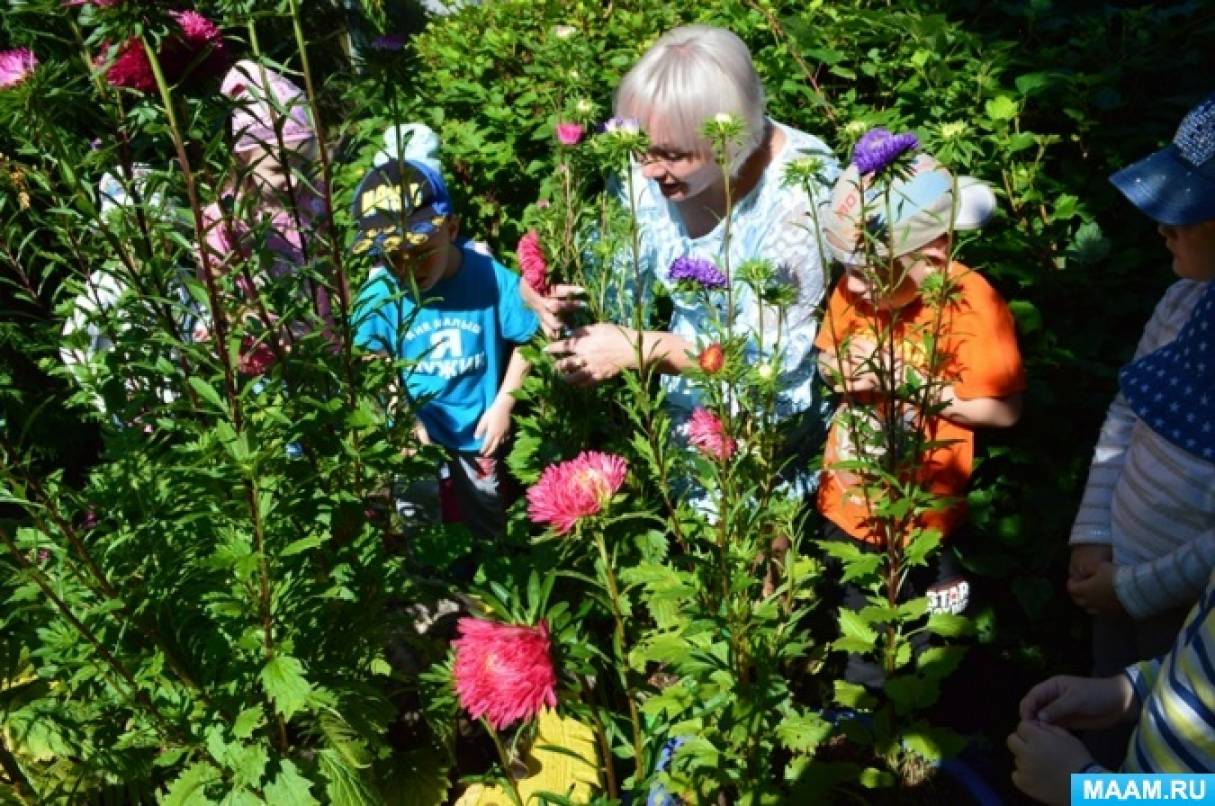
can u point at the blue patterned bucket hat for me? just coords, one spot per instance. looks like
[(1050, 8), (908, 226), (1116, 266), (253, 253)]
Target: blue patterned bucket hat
[(1172, 389), (1176, 185)]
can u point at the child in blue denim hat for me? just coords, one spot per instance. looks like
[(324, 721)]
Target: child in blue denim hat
[(1143, 544)]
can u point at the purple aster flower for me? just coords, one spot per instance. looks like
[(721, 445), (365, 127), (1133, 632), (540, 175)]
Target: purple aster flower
[(388, 42), (878, 148), (698, 270), (622, 126)]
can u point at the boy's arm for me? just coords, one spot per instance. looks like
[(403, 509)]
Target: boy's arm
[(981, 412), (494, 425)]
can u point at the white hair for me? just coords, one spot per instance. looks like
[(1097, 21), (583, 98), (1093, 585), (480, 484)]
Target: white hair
[(686, 78)]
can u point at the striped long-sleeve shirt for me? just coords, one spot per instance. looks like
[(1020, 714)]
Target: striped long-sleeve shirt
[(1151, 500), (1176, 731)]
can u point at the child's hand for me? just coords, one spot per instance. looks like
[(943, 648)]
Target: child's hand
[(1085, 559), (1095, 593), (1045, 757), (494, 425), (859, 359), (1079, 703)]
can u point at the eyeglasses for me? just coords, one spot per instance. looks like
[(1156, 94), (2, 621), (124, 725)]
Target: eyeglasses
[(666, 157)]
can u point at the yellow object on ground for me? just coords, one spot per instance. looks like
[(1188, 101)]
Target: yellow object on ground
[(573, 773)]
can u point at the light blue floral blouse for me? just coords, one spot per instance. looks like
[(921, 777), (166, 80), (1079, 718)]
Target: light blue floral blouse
[(774, 222)]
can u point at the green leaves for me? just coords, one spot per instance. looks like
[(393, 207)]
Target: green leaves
[(803, 732), (283, 681)]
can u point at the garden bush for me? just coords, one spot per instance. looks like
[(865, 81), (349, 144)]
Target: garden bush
[(208, 596)]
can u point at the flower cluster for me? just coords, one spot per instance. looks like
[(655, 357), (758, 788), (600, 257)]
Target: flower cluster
[(697, 270), (879, 148), (533, 262), (16, 66), (197, 35), (707, 433), (503, 672), (575, 489)]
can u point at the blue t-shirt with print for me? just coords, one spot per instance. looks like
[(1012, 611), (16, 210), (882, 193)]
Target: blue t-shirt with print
[(459, 339)]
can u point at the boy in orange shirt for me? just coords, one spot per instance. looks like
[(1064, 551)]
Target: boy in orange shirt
[(916, 344)]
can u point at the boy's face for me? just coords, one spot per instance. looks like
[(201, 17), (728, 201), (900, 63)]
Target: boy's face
[(890, 286), (427, 262), (1193, 248)]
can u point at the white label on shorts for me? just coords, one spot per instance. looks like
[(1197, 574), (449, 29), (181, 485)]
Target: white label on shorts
[(950, 597)]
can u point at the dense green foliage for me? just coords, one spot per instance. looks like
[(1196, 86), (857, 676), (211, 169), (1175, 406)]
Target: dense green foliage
[(204, 593)]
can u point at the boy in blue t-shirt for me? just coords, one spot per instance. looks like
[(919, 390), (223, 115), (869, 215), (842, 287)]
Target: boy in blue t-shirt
[(454, 312)]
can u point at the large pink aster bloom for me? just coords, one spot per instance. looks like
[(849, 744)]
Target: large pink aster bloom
[(532, 262), (132, 69), (708, 435), (503, 672), (574, 489), (16, 66)]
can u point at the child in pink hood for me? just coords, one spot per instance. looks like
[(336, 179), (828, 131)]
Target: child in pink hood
[(275, 200)]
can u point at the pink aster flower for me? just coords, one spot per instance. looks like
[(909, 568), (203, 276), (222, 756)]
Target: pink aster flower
[(197, 29), (503, 672), (574, 489), (570, 134), (532, 261), (708, 435), (16, 66), (131, 67)]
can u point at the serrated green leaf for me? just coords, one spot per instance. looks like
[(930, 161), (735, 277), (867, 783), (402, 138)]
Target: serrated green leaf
[(284, 682), (190, 788), (248, 721), (289, 788), (853, 625), (1001, 108), (802, 733)]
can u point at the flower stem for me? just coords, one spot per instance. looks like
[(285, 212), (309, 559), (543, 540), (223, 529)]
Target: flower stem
[(511, 787), (219, 320), (605, 747), (609, 577)]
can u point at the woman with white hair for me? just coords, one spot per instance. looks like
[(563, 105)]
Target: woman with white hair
[(691, 75)]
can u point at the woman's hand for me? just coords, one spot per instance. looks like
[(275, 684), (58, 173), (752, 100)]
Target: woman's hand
[(594, 353), (1080, 703), (562, 300), (1096, 592)]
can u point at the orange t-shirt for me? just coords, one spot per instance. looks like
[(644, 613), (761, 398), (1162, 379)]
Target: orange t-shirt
[(978, 356)]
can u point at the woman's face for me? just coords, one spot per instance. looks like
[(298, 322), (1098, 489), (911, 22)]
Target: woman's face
[(681, 172)]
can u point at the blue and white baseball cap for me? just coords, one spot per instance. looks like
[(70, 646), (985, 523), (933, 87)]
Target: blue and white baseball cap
[(1176, 185)]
